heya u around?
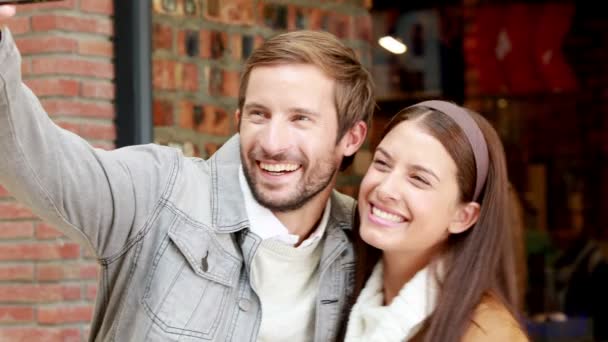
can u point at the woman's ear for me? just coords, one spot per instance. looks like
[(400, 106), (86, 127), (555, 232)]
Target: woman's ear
[(464, 218)]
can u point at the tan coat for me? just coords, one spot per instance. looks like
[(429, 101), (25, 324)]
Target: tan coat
[(493, 322)]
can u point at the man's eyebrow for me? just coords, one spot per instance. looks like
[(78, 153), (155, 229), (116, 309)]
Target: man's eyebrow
[(254, 105), (303, 111)]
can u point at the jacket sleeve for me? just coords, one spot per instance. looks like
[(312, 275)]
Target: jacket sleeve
[(102, 199)]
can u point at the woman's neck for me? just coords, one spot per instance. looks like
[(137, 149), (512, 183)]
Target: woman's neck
[(399, 268)]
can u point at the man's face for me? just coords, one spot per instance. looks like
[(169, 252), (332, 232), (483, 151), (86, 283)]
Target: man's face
[(288, 128)]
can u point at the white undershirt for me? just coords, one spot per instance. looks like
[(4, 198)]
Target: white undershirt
[(285, 277)]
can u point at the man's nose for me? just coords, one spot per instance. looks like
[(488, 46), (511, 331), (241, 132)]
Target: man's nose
[(275, 138)]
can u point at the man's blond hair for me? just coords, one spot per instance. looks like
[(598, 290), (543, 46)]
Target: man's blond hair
[(354, 97)]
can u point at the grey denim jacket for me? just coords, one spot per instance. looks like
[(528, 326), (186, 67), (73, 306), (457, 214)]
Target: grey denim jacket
[(170, 233)]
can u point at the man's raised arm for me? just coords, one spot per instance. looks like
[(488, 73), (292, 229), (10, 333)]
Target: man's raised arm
[(99, 198)]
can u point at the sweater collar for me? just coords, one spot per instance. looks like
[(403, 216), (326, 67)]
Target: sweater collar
[(370, 320)]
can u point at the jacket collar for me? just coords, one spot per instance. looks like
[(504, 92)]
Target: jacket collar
[(227, 202)]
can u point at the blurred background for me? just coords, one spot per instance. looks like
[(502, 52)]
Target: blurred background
[(167, 71)]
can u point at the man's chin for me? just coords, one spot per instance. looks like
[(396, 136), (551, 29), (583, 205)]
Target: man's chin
[(277, 203)]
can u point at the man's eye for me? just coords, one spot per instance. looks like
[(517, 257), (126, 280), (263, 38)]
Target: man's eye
[(301, 118)]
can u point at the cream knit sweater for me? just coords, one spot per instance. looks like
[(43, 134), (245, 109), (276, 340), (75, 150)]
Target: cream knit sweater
[(371, 320), (287, 277)]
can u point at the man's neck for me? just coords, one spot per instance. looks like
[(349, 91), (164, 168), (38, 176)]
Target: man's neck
[(303, 221)]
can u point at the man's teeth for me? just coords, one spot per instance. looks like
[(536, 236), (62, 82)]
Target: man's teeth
[(279, 167), (387, 216)]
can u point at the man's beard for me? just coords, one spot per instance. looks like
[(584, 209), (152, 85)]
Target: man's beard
[(309, 186)]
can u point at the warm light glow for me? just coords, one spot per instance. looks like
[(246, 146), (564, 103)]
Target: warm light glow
[(393, 45)]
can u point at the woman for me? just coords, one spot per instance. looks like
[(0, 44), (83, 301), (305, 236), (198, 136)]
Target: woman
[(436, 255)]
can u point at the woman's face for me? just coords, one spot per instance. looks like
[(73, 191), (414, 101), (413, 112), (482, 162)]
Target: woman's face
[(409, 197)]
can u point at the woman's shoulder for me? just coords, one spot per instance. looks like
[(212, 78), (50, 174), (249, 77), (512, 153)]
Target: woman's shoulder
[(493, 321)]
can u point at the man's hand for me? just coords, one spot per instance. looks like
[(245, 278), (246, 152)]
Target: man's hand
[(7, 11)]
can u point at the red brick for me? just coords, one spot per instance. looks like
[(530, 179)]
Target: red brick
[(16, 314), (49, 22), (77, 108), (163, 112), (217, 121), (341, 25), (39, 251), (97, 6), (232, 12), (211, 148), (91, 291), (91, 131), (26, 293), (53, 87), (54, 272), (89, 271), (71, 293), (99, 90), (97, 131), (189, 77), (72, 66), (90, 47), (64, 4), (14, 210), (32, 45), (204, 43), (16, 230), (3, 192), (162, 38), (26, 67), (163, 74), (44, 232), (186, 115), (19, 25), (70, 126), (26, 334), (230, 86), (236, 46), (65, 314), (16, 272)]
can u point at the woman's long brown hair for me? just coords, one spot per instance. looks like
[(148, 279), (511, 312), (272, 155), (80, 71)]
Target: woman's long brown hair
[(479, 261)]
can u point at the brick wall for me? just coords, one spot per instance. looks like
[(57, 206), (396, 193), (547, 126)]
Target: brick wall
[(199, 48), (47, 283)]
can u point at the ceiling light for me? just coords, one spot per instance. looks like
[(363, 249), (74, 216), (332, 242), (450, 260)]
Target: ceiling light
[(393, 45)]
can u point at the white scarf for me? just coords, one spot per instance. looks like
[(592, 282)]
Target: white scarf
[(370, 320)]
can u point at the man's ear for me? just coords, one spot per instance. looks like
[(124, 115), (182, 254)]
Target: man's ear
[(354, 138), (464, 218), (237, 118)]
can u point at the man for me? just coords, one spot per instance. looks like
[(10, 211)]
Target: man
[(251, 244)]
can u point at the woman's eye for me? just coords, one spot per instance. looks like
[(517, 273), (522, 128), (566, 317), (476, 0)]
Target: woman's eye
[(379, 163), (420, 179)]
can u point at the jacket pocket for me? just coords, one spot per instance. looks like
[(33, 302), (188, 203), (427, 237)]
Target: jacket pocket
[(191, 279)]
